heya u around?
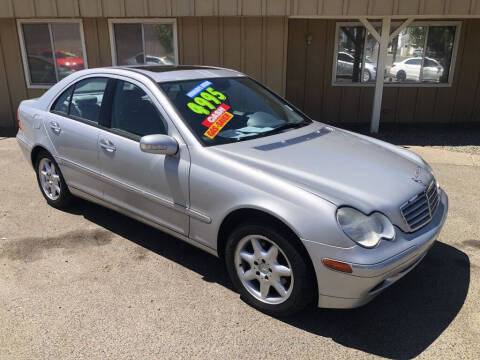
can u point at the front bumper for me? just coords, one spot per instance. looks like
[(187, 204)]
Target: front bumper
[(373, 269)]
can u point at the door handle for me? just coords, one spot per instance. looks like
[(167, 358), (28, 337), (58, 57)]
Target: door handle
[(108, 145), (55, 127)]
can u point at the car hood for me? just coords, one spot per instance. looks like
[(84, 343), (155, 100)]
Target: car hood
[(341, 167)]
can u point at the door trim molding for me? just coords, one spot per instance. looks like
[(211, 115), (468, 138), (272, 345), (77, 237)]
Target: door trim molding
[(92, 198), (155, 198)]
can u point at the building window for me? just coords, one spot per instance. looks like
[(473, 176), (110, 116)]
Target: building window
[(51, 50), (152, 42), (422, 54)]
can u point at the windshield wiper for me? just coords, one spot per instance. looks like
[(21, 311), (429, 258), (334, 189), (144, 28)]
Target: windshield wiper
[(287, 126)]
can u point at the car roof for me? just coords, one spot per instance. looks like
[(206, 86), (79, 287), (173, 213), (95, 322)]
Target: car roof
[(166, 73)]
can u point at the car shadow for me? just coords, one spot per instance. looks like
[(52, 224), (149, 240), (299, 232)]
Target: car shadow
[(409, 316), (399, 324)]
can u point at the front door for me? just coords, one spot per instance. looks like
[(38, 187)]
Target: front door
[(150, 185)]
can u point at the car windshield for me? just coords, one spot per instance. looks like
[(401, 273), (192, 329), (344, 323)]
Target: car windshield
[(226, 110)]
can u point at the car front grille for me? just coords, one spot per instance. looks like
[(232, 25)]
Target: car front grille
[(419, 210)]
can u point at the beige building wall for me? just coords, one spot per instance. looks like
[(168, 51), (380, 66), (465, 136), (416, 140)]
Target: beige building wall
[(309, 83), (254, 45), (325, 8)]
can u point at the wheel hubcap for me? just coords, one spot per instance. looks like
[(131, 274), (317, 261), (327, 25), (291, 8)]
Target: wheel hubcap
[(263, 269), (49, 178), (366, 76)]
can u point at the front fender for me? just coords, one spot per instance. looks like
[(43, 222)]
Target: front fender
[(217, 189)]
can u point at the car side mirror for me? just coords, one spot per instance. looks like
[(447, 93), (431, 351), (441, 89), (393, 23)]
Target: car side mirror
[(159, 144)]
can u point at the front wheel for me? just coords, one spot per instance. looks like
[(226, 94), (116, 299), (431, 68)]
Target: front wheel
[(367, 76), (401, 75), (268, 270)]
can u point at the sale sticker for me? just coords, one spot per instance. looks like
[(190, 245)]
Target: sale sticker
[(199, 88), (219, 111), (218, 125)]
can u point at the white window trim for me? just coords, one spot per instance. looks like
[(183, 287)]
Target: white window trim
[(23, 49), (456, 41), (111, 31)]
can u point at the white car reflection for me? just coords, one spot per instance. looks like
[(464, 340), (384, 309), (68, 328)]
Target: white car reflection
[(148, 60), (409, 69)]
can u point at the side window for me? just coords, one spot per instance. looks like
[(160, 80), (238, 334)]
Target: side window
[(344, 57), (414, 62), (133, 111), (61, 104), (87, 98)]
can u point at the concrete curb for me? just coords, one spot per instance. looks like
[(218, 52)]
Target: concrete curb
[(441, 156)]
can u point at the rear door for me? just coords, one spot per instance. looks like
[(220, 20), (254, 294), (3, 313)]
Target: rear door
[(72, 125), (412, 68), (153, 186)]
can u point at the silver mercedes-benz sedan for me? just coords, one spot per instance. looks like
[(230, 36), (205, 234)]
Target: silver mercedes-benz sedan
[(300, 212)]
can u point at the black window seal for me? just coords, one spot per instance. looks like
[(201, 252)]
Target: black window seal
[(106, 108)]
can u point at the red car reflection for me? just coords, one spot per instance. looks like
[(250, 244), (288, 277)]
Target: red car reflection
[(65, 58)]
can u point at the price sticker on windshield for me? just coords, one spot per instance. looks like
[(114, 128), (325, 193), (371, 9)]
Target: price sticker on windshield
[(208, 101), (205, 98), (218, 125)]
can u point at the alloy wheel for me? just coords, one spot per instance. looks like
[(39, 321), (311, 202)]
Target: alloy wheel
[(49, 178), (264, 269)]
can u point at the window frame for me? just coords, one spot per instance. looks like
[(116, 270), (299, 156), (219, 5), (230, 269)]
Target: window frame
[(141, 21), (456, 41), (73, 84), (106, 107), (23, 48), (124, 133)]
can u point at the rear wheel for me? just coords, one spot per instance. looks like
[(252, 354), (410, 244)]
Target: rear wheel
[(268, 270), (51, 181)]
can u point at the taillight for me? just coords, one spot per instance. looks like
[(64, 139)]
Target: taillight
[(19, 122)]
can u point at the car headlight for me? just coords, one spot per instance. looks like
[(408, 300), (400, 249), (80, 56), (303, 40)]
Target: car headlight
[(430, 170), (367, 231)]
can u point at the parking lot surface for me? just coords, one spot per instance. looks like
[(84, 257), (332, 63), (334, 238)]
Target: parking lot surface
[(89, 283)]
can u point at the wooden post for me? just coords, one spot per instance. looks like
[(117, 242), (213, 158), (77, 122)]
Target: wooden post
[(382, 59)]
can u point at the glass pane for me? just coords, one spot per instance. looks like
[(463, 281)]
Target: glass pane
[(226, 110), (159, 45), (67, 42), (351, 41), (128, 43), (87, 98), (133, 112), (61, 104), (438, 54), (38, 46), (371, 57), (405, 53)]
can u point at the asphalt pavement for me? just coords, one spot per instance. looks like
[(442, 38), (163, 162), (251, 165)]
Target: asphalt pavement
[(89, 283)]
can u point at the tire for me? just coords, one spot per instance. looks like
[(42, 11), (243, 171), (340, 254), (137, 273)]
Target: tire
[(367, 76), (401, 75), (52, 181), (249, 270)]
